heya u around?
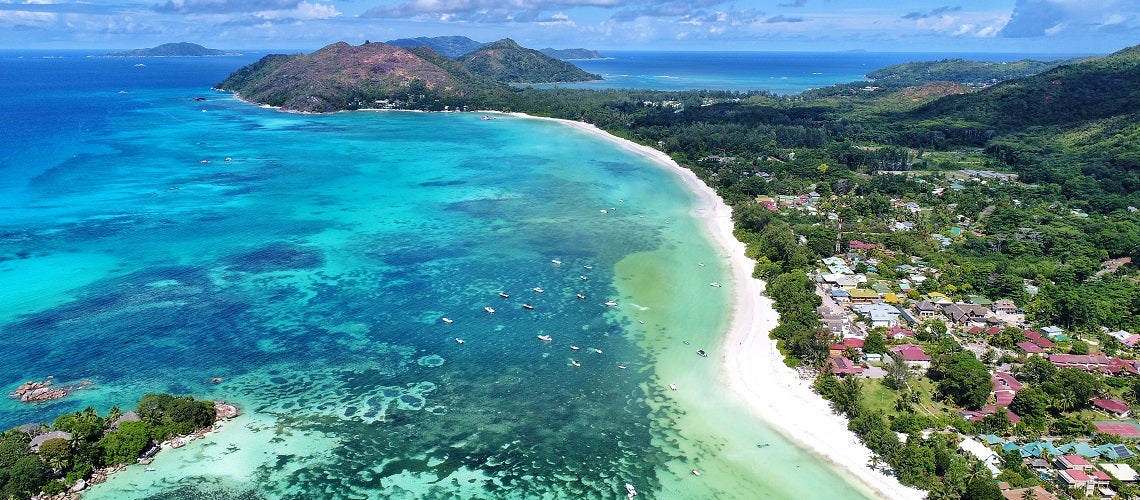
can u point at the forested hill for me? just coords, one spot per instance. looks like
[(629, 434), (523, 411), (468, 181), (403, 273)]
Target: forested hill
[(450, 46), (1093, 89), (178, 49), (342, 76), (974, 73), (507, 61)]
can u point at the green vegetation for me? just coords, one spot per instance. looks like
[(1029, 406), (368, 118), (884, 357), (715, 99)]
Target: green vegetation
[(179, 49), (900, 168), (973, 73), (79, 443)]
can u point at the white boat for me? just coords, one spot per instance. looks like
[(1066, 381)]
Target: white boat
[(574, 347), (575, 362), (488, 309), (587, 267), (458, 340), (715, 284), (673, 386), (603, 211), (556, 262), (599, 351), (528, 306), (580, 296), (702, 264), (584, 278), (151, 469), (696, 472), (544, 338), (538, 289), (610, 303), (448, 320), (630, 491), (504, 295), (621, 366)]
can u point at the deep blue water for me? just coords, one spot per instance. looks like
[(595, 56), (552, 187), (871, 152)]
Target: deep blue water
[(777, 72)]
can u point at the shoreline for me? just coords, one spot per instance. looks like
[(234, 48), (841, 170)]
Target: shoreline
[(801, 416)]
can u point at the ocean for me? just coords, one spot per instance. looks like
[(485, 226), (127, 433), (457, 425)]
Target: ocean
[(783, 73), (156, 235)]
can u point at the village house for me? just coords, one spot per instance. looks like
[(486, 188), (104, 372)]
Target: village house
[(881, 315), (1005, 387), (1113, 406), (840, 365), (1086, 362), (1030, 348), (924, 310), (913, 355), (863, 296), (1004, 306), (1122, 472), (39, 440), (838, 348)]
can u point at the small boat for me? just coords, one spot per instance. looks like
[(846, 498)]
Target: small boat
[(610, 303), (696, 472), (544, 338), (486, 118), (574, 347), (580, 296), (504, 295), (538, 289), (598, 351), (641, 321), (488, 309), (603, 211), (575, 362), (584, 278), (587, 267), (630, 491), (458, 340), (702, 264), (673, 386), (621, 366), (528, 306), (715, 284), (448, 320), (702, 353), (151, 469), (556, 262)]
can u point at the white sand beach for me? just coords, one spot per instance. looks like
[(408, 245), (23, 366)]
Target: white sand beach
[(752, 366)]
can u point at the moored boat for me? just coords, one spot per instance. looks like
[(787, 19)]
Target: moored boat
[(582, 297), (528, 306), (538, 289), (544, 338), (489, 309), (610, 303), (556, 261), (702, 353), (458, 340), (504, 295), (447, 320)]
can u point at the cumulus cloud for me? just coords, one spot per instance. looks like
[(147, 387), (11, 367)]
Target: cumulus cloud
[(1033, 18), (485, 10), (225, 6), (933, 13)]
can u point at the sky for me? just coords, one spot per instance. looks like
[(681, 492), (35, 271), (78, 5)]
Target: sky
[(955, 26)]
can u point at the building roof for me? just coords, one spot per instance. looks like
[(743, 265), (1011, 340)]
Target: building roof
[(38, 440), (1074, 476), (1111, 405), (843, 366), (911, 352), (863, 293), (1004, 380), (1030, 347), (1123, 472), (1074, 460)]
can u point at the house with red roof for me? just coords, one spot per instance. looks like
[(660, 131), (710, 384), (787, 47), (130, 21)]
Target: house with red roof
[(1121, 367), (899, 333), (848, 342), (1005, 387), (1086, 362), (1073, 461), (913, 355), (1030, 348), (1112, 405), (1039, 339), (993, 330), (1076, 479), (840, 365), (859, 245)]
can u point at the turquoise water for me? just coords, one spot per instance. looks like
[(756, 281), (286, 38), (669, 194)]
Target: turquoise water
[(160, 241)]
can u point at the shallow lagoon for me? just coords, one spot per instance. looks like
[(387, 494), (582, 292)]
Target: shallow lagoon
[(311, 271)]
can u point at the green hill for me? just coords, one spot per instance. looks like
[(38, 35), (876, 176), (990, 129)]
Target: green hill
[(450, 46), (179, 49), (342, 76), (975, 73), (507, 61)]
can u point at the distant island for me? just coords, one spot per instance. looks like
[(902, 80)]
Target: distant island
[(178, 49), (378, 75), (456, 46), (572, 53)]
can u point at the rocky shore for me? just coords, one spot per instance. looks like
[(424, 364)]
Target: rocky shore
[(37, 392)]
